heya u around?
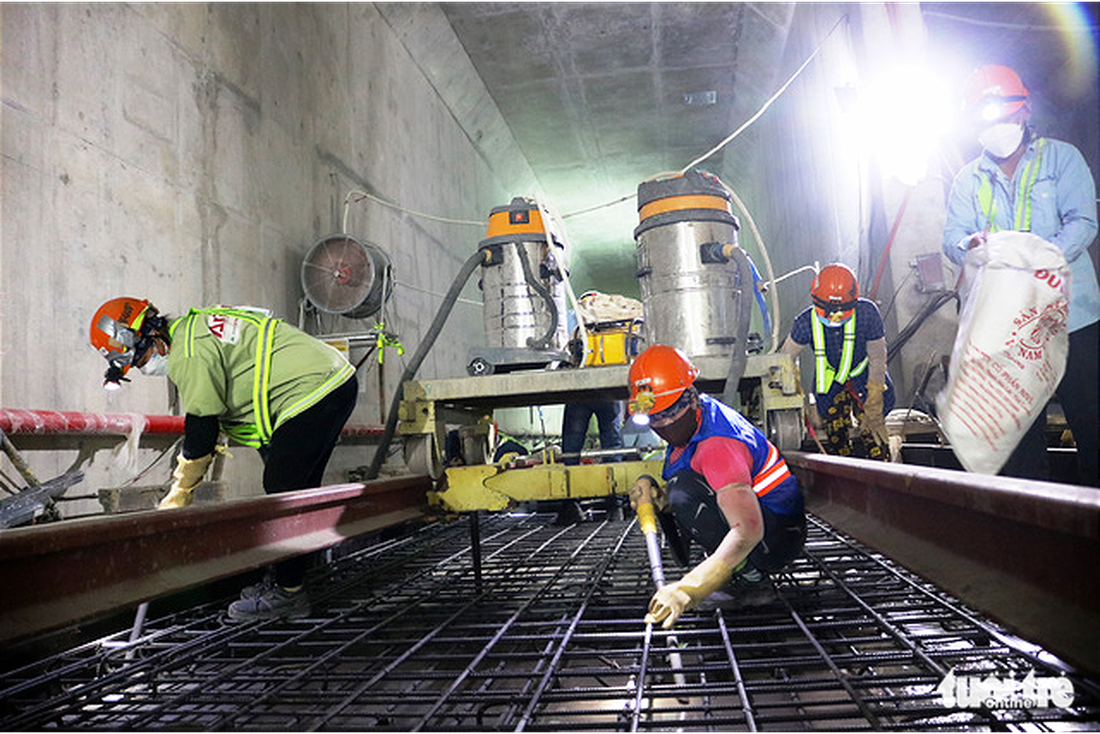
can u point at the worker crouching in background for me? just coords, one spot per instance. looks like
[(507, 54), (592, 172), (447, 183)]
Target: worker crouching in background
[(264, 382), (728, 487), (851, 385)]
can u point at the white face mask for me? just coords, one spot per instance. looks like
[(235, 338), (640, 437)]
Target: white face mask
[(157, 366), (1002, 140)]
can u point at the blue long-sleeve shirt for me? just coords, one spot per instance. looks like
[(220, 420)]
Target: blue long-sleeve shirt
[(1063, 212)]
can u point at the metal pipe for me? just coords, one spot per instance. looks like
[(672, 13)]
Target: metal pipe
[(18, 422)]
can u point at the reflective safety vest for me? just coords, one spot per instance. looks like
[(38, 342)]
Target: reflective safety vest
[(824, 373), (1022, 220), (250, 434), (772, 482)]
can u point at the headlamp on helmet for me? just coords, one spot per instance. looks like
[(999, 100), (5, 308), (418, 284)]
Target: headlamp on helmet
[(834, 291), (994, 92), (658, 377)]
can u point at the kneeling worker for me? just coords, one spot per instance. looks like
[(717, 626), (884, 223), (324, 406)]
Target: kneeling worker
[(728, 487), (264, 382)]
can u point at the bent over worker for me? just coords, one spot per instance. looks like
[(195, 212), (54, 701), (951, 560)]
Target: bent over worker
[(728, 488), (851, 384), (262, 381)]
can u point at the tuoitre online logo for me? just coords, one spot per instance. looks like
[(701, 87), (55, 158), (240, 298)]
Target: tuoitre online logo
[(991, 692)]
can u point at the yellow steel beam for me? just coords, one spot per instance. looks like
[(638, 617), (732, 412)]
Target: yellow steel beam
[(494, 487)]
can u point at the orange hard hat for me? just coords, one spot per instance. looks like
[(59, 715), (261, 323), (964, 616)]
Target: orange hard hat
[(658, 377), (835, 289), (994, 92), (116, 333)]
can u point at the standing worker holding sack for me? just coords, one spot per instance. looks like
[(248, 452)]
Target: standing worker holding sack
[(1027, 183), (264, 382)]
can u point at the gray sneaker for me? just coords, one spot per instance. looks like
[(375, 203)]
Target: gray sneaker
[(253, 590), (274, 602)]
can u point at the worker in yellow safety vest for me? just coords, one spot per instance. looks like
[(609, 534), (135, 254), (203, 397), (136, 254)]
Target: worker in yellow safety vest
[(851, 384), (1025, 182), (262, 381)]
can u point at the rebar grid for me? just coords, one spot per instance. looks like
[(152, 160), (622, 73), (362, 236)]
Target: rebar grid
[(402, 638)]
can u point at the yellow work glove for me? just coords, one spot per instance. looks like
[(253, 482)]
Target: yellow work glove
[(187, 476), (672, 600), (646, 489), (872, 412)]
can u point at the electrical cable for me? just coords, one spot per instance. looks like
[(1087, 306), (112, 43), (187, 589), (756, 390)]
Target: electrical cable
[(422, 350), (933, 305), (364, 195), (768, 103)]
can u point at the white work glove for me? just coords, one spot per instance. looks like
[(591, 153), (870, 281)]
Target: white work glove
[(872, 413), (672, 600), (187, 476)]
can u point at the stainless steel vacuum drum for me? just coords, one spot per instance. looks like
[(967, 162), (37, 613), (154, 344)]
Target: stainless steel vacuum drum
[(689, 289), (523, 291)]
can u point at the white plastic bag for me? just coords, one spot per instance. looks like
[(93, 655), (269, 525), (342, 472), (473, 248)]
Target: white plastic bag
[(1010, 350)]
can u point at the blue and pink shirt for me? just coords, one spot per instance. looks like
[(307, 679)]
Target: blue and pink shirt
[(728, 449)]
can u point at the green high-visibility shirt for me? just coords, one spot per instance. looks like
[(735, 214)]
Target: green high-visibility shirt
[(214, 359)]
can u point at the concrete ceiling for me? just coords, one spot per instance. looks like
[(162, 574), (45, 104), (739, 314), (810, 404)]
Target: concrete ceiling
[(601, 96)]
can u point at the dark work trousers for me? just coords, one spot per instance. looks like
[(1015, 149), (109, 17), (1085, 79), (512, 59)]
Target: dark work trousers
[(297, 455), (695, 506), (574, 426), (1079, 395)]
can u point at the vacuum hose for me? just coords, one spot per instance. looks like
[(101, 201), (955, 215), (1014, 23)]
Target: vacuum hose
[(744, 315), (426, 343), (546, 339)]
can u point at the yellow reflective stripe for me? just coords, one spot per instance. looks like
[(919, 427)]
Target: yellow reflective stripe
[(1022, 222), (847, 350), (824, 374), (243, 433), (314, 397), (261, 379), (985, 200)]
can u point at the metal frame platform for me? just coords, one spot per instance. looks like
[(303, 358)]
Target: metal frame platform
[(770, 388)]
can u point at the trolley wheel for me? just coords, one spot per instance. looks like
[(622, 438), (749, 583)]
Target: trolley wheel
[(478, 367), (421, 456), (785, 429)]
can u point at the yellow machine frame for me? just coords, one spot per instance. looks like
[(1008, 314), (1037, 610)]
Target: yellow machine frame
[(497, 487)]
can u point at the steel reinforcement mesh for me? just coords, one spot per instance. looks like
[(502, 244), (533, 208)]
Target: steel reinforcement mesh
[(403, 636)]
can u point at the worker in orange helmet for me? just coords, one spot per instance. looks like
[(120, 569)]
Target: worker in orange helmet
[(727, 488), (851, 384), (264, 382), (1026, 182)]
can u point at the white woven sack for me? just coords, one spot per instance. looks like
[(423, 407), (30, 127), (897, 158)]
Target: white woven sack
[(599, 308), (1010, 350)]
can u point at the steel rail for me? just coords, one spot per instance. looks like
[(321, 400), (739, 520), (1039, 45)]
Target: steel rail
[(140, 556)]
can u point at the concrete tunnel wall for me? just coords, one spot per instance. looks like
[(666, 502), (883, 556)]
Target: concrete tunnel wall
[(192, 153)]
